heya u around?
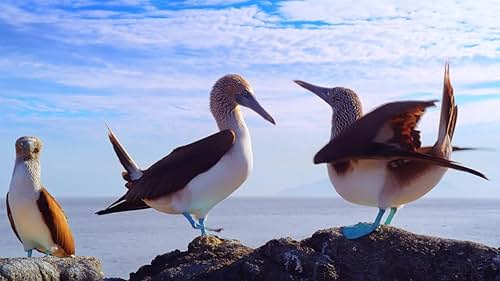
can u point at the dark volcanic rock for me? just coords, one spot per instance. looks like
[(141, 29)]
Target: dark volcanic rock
[(387, 254), (395, 254), (282, 259), (51, 269), (205, 256)]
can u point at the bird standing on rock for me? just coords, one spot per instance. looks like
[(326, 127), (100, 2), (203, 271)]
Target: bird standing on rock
[(35, 216), (192, 179), (377, 159)]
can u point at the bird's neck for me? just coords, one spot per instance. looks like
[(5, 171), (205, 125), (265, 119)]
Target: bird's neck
[(342, 119), (26, 175), (233, 120)]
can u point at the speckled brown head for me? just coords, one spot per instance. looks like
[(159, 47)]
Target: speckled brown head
[(344, 102), (229, 92), (28, 148)]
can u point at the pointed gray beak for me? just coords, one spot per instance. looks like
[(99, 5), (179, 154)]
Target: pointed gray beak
[(29, 146), (248, 100), (317, 90)]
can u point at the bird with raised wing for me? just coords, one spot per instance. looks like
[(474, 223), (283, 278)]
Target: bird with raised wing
[(377, 159), (36, 218), (194, 178)]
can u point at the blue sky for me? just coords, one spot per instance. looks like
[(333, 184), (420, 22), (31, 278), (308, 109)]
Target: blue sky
[(146, 68)]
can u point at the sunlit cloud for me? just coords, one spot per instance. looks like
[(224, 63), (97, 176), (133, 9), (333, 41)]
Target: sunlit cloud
[(147, 67)]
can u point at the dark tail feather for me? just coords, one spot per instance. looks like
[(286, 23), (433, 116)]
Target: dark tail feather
[(123, 206), (133, 171)]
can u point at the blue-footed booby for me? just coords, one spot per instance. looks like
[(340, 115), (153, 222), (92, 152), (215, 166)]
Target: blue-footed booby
[(193, 178), (377, 159), (35, 216)]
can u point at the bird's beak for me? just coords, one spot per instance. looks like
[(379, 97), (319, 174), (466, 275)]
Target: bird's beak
[(248, 100), (29, 146), (317, 90)]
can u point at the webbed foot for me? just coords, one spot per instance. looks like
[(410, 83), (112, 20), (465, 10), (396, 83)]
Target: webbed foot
[(362, 229), (358, 230)]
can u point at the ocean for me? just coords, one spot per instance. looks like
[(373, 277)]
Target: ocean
[(123, 242)]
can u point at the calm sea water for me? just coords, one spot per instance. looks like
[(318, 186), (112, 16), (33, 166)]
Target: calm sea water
[(126, 241)]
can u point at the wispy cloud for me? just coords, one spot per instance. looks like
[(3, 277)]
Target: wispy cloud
[(147, 66)]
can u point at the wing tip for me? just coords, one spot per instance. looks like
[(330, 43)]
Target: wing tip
[(318, 158), (111, 135), (447, 79), (446, 70), (430, 103), (467, 148), (479, 174)]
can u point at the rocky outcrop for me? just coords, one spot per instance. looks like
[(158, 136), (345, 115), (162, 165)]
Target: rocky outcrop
[(387, 254), (51, 269)]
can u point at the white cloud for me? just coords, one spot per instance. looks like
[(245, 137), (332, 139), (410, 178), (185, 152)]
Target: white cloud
[(148, 71), (211, 2), (370, 32)]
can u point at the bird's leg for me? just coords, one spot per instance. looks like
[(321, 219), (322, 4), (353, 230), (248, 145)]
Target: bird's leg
[(362, 229), (190, 219), (201, 222), (196, 225), (390, 216), (47, 253), (29, 253), (203, 228)]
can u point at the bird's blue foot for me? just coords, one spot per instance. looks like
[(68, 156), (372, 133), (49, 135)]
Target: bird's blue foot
[(390, 216), (358, 230), (362, 229), (47, 253), (29, 253)]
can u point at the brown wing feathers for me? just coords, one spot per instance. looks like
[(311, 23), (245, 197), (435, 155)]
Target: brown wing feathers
[(356, 138), (367, 139), (403, 126), (55, 219)]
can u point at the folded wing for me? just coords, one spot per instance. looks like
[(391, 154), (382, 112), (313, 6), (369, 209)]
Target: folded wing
[(174, 171), (54, 217)]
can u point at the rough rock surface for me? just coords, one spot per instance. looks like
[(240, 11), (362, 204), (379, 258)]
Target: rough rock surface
[(387, 254), (51, 269)]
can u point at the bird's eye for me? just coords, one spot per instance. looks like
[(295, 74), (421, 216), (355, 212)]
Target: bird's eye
[(245, 93)]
